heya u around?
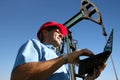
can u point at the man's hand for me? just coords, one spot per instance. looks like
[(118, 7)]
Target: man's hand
[(74, 56), (96, 73)]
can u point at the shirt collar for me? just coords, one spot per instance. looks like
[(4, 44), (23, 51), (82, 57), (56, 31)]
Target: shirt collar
[(50, 46)]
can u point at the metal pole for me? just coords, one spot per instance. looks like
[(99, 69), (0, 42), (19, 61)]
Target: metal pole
[(114, 67), (71, 68)]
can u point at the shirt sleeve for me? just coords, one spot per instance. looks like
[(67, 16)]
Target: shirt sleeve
[(28, 52)]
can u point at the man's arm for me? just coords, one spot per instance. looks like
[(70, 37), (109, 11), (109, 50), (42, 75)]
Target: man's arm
[(37, 70), (42, 70)]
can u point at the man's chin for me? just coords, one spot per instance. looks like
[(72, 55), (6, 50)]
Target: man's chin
[(57, 45)]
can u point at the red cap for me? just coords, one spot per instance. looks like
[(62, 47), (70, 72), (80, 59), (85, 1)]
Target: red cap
[(61, 27)]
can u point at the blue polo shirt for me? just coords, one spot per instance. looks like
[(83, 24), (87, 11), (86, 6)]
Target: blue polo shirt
[(34, 51)]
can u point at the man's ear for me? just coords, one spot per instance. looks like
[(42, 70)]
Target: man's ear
[(45, 32)]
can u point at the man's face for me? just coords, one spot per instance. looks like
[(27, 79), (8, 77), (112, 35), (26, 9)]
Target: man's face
[(55, 37)]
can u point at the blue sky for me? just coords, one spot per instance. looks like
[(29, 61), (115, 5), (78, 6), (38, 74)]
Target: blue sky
[(20, 20)]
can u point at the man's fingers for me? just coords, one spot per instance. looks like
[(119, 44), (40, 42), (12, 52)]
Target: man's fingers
[(101, 68), (86, 52)]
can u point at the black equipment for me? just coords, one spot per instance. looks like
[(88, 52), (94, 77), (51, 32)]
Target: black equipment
[(88, 64)]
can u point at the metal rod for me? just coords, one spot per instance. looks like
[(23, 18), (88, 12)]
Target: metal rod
[(71, 68), (114, 67)]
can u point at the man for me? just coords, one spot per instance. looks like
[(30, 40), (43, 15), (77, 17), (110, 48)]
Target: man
[(38, 59)]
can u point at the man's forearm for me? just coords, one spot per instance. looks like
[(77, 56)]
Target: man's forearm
[(37, 70)]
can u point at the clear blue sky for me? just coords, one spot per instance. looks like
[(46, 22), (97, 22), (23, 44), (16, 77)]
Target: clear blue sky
[(20, 20)]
